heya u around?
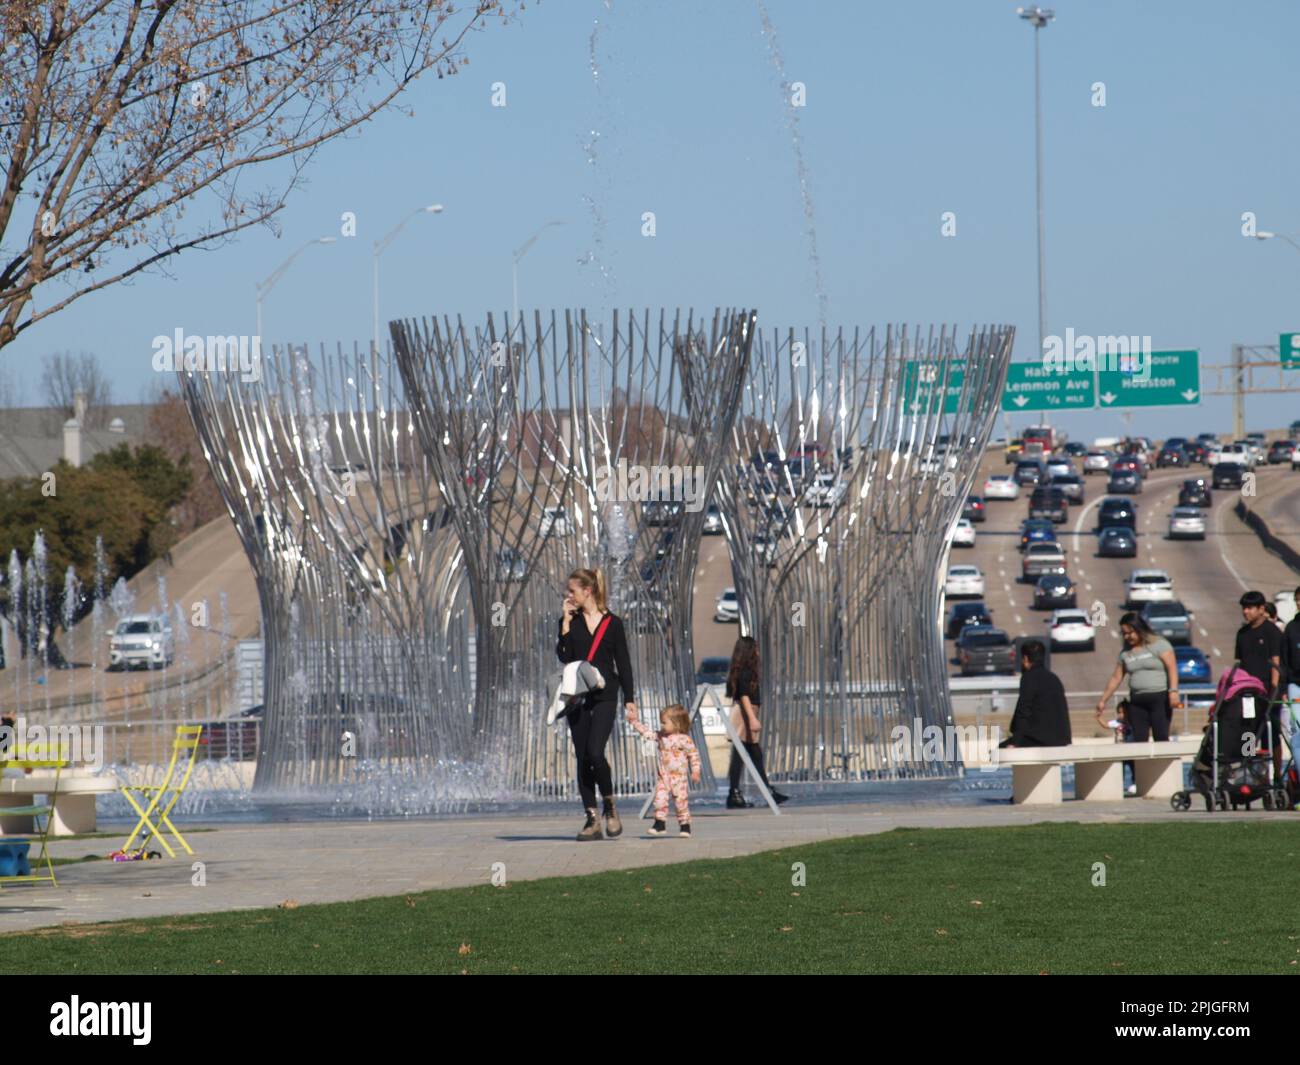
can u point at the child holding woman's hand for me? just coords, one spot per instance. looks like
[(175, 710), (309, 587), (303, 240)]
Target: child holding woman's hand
[(677, 751)]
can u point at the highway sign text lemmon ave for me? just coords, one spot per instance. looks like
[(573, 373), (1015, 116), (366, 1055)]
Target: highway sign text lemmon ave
[(1034, 386), (1173, 380)]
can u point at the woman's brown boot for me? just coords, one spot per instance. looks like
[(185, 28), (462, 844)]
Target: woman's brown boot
[(613, 826), (591, 830)]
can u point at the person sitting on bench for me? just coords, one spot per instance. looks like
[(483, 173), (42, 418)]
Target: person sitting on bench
[(1042, 717)]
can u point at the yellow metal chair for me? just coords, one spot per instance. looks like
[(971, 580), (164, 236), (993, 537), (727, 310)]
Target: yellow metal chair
[(36, 758), (163, 797)]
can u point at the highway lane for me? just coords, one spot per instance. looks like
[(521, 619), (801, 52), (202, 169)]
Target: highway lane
[(1208, 576)]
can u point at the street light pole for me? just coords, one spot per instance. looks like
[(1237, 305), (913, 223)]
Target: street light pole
[(1038, 18), (1238, 357), (264, 287), (1264, 234), (519, 253), (379, 246)]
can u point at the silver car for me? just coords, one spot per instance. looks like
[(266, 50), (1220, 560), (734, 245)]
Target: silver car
[(1097, 462), (1186, 523), (1071, 484)]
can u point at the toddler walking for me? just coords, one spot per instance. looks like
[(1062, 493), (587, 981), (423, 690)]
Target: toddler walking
[(676, 750)]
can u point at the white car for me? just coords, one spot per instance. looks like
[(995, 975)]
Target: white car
[(1237, 452), (1187, 523), (1072, 628), (1295, 460), (727, 607), (1213, 453), (765, 550), (1148, 586), (964, 534), (964, 580), (1001, 486), (555, 520), (825, 491), (142, 639)]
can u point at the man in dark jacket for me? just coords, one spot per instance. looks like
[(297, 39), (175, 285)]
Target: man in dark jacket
[(1042, 717)]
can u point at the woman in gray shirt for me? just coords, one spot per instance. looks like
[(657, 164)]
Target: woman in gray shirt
[(1152, 670)]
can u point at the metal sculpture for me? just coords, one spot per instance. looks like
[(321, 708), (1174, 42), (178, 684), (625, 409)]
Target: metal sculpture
[(364, 618), (848, 464), (561, 443)]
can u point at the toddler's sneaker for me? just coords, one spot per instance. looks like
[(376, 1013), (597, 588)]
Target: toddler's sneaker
[(684, 830), (657, 829)]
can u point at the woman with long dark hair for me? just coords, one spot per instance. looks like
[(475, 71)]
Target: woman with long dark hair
[(586, 623), (1149, 663), (743, 680)]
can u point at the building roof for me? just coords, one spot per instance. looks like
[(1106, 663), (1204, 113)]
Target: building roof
[(31, 438)]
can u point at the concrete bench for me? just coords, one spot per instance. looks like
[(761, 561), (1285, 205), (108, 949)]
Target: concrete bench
[(74, 805), (1098, 770)]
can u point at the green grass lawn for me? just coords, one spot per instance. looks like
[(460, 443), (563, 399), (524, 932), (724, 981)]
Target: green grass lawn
[(1178, 898)]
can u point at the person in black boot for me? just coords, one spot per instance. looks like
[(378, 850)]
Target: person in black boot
[(589, 632), (743, 689)]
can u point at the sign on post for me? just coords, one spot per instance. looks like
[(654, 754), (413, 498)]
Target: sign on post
[(1169, 379), (1289, 349), (923, 382), (1033, 386)]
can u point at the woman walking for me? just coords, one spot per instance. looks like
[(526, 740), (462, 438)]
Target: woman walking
[(743, 680), (589, 632), (1152, 670)]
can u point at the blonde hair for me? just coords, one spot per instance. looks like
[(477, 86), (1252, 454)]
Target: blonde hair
[(594, 581), (676, 717)]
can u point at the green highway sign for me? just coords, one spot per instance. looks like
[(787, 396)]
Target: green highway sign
[(921, 386), (1289, 349), (1032, 386), (1169, 379)]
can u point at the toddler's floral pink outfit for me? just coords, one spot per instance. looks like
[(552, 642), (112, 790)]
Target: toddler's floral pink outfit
[(678, 756)]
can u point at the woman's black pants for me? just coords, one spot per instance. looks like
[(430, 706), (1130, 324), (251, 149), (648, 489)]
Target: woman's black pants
[(737, 767), (1149, 716), (590, 725)]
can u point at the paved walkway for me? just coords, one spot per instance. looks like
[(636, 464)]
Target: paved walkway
[(251, 866)]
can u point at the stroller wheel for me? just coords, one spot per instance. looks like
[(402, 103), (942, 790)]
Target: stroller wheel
[(1281, 800), (1180, 801), (1268, 800)]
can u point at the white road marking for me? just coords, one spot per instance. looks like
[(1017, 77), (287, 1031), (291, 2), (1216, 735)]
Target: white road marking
[(1018, 620), (1218, 524), (1202, 631)]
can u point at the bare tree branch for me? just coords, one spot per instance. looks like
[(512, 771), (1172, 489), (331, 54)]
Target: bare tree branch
[(116, 114)]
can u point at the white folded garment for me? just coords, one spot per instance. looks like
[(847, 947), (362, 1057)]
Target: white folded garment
[(575, 680)]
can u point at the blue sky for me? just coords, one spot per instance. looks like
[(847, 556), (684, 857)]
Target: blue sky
[(912, 110)]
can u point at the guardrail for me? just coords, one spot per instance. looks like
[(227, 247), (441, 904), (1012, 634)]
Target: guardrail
[(1272, 544)]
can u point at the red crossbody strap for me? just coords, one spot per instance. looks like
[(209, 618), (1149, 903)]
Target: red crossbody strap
[(600, 633)]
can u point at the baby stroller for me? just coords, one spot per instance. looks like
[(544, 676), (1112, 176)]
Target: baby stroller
[(1234, 766)]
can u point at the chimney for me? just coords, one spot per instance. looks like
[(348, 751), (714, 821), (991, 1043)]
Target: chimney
[(79, 407), (72, 442)]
